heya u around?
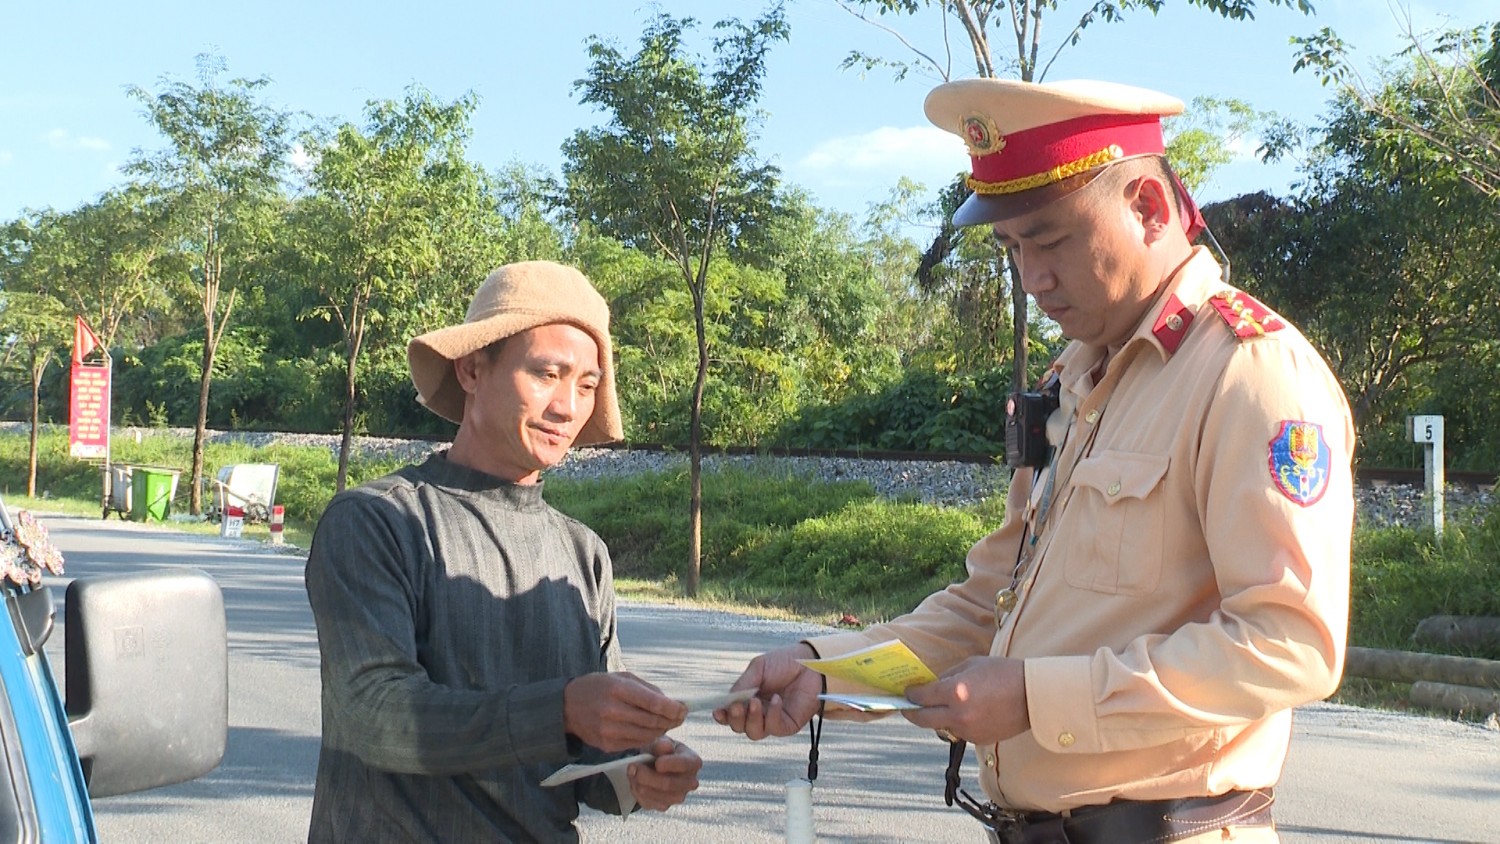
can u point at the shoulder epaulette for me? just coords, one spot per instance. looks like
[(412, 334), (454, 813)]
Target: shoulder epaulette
[(1245, 316)]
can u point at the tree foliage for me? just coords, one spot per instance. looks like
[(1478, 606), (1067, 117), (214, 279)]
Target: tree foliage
[(1448, 113), (1386, 259), (34, 322), (674, 170), (818, 330), (1019, 22), (397, 219), (218, 179)]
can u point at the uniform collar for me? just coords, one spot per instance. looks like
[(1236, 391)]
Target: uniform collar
[(1166, 322), (1176, 308), (1163, 328)]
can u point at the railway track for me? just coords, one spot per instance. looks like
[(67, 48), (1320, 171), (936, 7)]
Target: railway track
[(1365, 476), (1417, 477)]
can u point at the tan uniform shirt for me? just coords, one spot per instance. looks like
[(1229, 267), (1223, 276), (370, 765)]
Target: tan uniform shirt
[(1191, 582)]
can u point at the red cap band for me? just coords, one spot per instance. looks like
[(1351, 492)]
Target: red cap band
[(1046, 154)]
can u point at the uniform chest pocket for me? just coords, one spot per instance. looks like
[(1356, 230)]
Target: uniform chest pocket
[(1115, 523)]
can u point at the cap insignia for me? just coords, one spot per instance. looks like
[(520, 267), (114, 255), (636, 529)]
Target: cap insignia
[(982, 136)]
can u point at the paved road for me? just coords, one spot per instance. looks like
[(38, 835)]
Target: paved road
[(1353, 775)]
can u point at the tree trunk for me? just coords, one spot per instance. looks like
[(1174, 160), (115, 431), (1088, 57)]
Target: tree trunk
[(695, 453), (36, 401), (1458, 699), (1465, 631), (347, 442), (1018, 327), (200, 430), (354, 340)]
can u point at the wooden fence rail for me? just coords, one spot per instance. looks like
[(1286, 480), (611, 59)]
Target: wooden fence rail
[(1411, 667), (1446, 683)]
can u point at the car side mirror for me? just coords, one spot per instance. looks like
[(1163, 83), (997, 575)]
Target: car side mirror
[(147, 678)]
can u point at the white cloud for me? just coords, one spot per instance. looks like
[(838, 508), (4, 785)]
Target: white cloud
[(924, 153), (1243, 149), (300, 159), (63, 139), (885, 148)]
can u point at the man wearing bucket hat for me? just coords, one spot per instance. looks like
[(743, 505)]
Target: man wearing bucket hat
[(467, 629), (1172, 574)]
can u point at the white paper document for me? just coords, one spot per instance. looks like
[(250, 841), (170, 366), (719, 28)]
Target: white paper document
[(568, 773), (871, 703), (718, 700)]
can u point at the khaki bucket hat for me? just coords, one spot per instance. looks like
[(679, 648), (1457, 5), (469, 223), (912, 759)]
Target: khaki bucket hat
[(515, 298)]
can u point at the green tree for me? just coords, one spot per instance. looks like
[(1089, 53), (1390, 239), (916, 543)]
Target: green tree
[(118, 265), (1021, 20), (219, 180), (523, 197), (674, 170), (1386, 259), (37, 327), (1448, 114), (914, 323), (397, 214), (835, 326)]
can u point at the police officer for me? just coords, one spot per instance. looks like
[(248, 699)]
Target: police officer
[(1172, 578)]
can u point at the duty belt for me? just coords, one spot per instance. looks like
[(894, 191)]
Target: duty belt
[(1133, 821), (1120, 822)]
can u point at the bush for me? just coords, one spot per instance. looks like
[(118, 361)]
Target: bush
[(1402, 576), (925, 411), (892, 553), (779, 539), (644, 517)]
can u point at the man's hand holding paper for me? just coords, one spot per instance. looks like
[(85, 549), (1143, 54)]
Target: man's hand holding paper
[(618, 711), (787, 696), (982, 701), (666, 780)]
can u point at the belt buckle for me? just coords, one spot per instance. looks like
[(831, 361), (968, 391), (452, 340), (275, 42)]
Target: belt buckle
[(1009, 826)]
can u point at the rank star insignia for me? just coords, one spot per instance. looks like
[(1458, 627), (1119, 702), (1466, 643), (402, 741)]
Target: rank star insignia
[(982, 136)]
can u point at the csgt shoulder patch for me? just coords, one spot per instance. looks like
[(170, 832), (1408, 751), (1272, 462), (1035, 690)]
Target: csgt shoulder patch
[(1299, 461), (1245, 316)]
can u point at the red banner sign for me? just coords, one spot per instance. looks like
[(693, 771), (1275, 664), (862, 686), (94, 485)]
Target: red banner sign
[(88, 412)]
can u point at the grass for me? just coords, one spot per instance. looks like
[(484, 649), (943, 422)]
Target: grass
[(299, 536), (781, 546), (1401, 576), (778, 543), (305, 485)]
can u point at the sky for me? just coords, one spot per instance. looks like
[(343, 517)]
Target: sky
[(67, 124)]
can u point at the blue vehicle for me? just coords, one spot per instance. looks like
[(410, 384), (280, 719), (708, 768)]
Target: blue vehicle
[(146, 677)]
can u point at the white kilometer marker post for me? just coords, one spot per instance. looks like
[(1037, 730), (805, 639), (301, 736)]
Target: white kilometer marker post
[(1428, 430)]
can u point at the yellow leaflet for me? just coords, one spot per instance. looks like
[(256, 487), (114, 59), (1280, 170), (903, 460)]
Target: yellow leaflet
[(888, 666)]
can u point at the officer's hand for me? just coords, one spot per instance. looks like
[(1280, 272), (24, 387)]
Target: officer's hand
[(618, 711), (665, 781), (981, 700), (787, 699)]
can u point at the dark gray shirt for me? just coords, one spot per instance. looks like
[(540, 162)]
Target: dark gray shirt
[(452, 608)]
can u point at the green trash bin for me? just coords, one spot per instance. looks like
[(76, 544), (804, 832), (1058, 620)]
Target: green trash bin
[(151, 492)]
